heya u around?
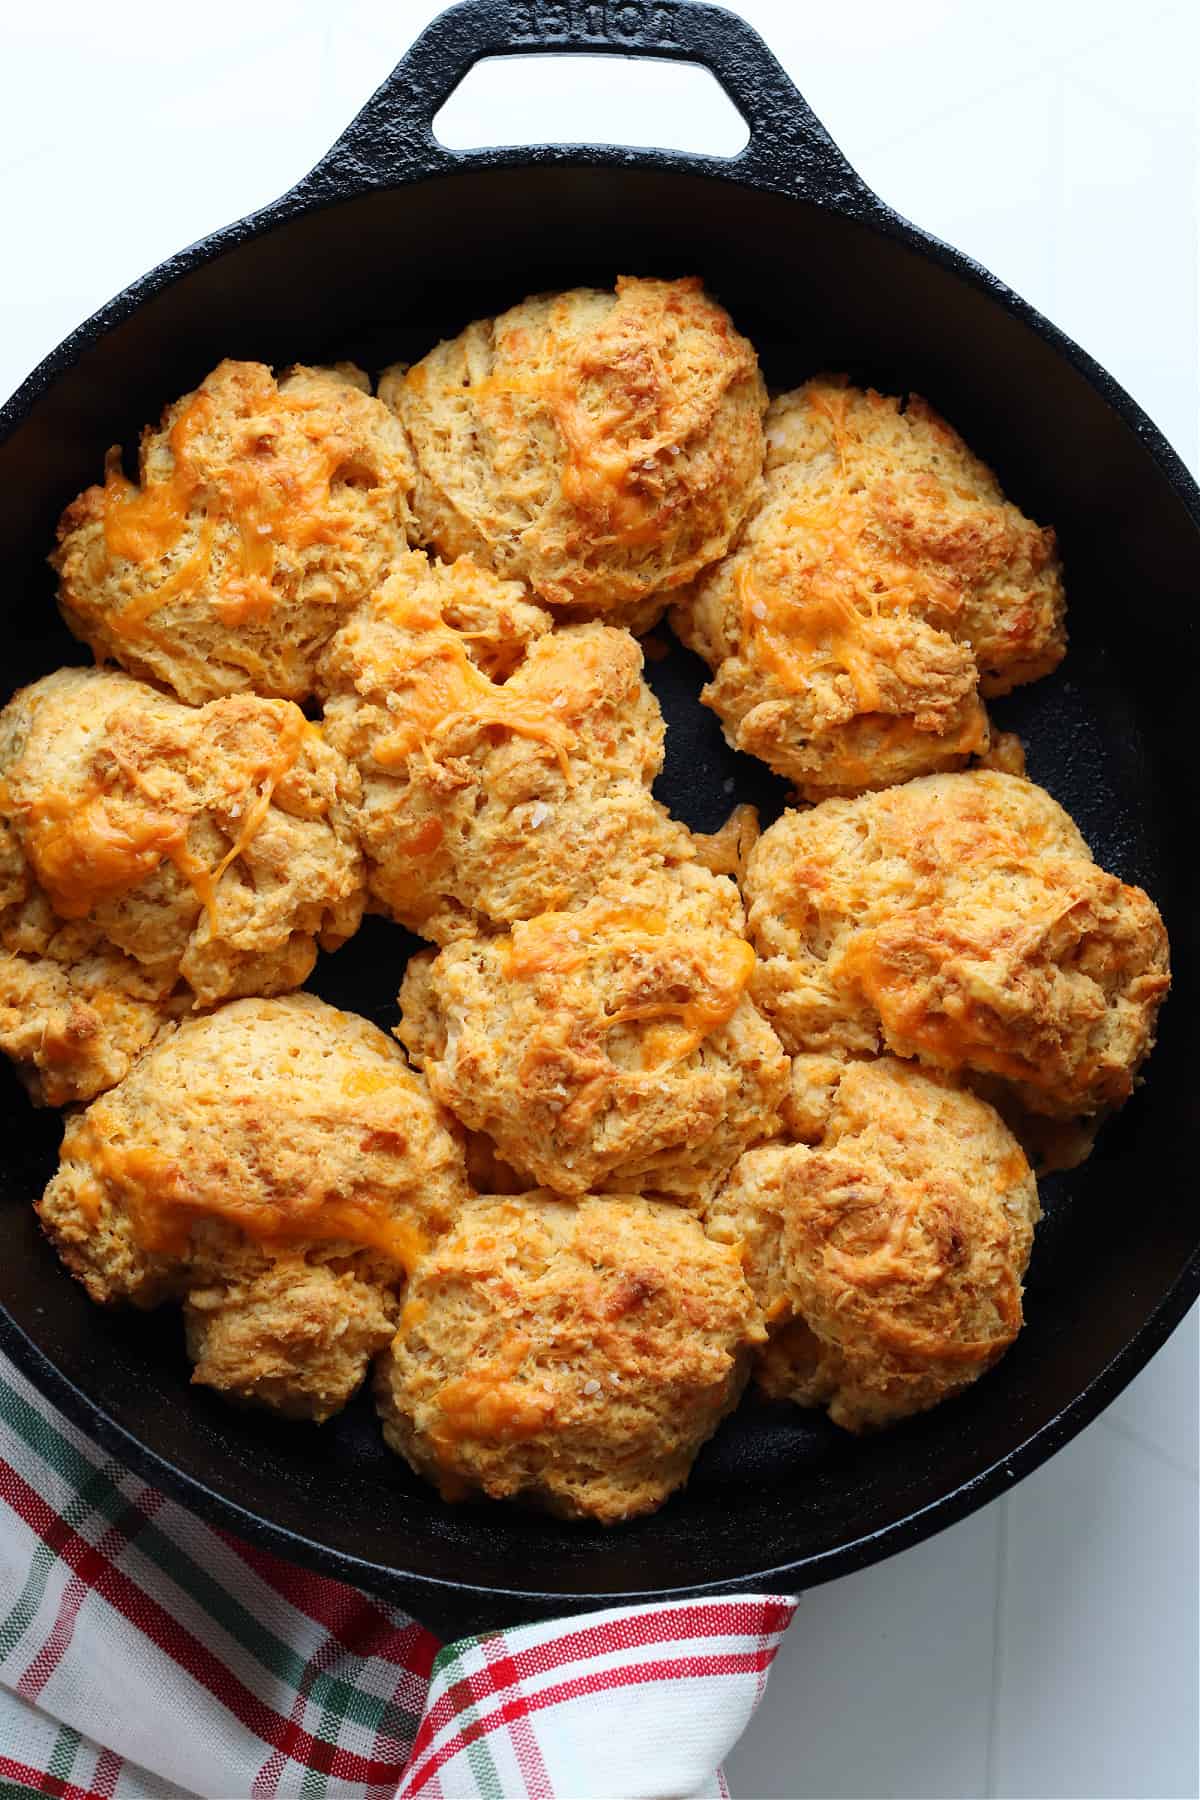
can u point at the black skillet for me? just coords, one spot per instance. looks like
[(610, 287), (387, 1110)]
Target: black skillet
[(394, 241)]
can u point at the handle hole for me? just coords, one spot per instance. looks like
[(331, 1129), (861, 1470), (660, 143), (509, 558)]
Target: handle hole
[(521, 100)]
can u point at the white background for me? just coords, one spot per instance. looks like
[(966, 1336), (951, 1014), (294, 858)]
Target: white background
[(1046, 1647)]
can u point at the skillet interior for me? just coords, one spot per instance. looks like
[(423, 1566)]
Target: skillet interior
[(1116, 1262)]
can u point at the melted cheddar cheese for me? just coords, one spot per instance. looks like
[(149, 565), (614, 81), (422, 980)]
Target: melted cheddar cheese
[(164, 1198), (607, 449), (265, 779), (596, 468), (597, 477), (839, 587), (259, 496), (952, 1040), (723, 978), (87, 849), (434, 684), (144, 524), (489, 1404), (722, 963), (558, 943)]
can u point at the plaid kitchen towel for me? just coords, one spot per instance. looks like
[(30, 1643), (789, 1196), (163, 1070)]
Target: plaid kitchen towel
[(146, 1656)]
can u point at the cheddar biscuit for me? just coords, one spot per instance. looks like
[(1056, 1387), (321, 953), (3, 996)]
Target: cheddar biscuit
[(886, 1258), (960, 920), (276, 1166), (572, 1354), (602, 447), (505, 768), (613, 1047), (263, 513), (156, 857), (882, 585)]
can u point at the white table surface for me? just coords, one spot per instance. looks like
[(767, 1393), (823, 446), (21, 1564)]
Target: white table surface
[(1047, 1646)]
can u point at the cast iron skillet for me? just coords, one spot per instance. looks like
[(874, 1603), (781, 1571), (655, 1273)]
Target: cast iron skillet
[(393, 241)]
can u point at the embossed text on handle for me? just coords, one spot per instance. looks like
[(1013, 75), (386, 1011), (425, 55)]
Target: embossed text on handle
[(615, 22)]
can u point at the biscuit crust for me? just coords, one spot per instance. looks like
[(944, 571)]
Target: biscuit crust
[(505, 767), (602, 447), (881, 586), (263, 513), (614, 1047), (157, 857), (960, 920), (887, 1258), (571, 1354), (278, 1167)]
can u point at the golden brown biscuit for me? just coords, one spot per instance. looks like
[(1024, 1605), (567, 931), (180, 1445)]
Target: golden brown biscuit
[(880, 587), (601, 447), (887, 1260), (959, 919), (156, 857), (278, 1167), (611, 1047), (263, 514), (74, 1013), (727, 851), (294, 1331), (505, 769), (572, 1354)]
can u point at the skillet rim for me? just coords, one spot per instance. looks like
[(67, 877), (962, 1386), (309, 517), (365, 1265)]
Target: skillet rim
[(836, 188), (403, 1587)]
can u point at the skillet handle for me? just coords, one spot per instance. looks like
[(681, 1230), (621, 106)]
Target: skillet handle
[(392, 141)]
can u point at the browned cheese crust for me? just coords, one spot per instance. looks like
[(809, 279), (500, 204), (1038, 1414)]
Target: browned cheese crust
[(158, 857), (961, 920), (505, 768), (887, 1259), (601, 447), (882, 585), (276, 1166), (570, 1354), (614, 1047), (263, 513)]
